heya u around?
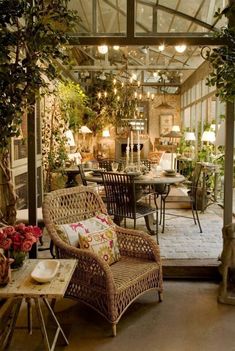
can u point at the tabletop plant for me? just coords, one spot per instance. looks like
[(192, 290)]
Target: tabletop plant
[(32, 38), (17, 241)]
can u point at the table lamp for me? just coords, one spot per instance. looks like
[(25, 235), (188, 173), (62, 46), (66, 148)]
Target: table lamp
[(70, 138), (209, 137), (84, 130), (173, 134), (189, 137)]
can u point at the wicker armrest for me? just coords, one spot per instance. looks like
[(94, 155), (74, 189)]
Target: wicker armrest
[(88, 263), (136, 243)]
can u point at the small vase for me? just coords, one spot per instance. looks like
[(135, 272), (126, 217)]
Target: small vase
[(18, 257)]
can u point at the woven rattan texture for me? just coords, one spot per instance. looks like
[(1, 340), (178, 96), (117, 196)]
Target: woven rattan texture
[(107, 289)]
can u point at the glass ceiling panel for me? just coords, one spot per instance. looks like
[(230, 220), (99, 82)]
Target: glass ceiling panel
[(177, 16), (111, 16)]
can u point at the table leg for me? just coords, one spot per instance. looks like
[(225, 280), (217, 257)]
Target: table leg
[(29, 315), (43, 325), (11, 328)]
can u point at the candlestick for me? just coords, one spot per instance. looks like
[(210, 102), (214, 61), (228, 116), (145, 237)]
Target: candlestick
[(132, 147)]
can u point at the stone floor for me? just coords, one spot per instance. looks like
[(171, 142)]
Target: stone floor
[(188, 319), (182, 239)]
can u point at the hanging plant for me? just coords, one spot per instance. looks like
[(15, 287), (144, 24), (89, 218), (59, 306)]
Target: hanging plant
[(32, 37), (222, 59), (73, 104)]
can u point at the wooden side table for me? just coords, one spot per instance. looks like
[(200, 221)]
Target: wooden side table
[(23, 286)]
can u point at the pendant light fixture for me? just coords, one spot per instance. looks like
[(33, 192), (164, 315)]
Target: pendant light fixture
[(164, 105)]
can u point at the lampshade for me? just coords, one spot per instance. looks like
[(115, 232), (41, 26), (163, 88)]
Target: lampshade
[(208, 136), (165, 106), (175, 129), (189, 136), (84, 130), (105, 133), (70, 138)]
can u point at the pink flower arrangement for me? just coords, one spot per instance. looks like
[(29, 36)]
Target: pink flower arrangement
[(19, 237)]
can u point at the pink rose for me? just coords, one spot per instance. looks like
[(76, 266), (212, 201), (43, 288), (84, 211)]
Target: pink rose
[(2, 235), (16, 242), (6, 244), (20, 227), (9, 231), (37, 231), (26, 245)]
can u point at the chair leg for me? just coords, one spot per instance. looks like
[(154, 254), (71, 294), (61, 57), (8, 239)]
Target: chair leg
[(194, 218), (156, 223), (198, 221), (114, 329), (160, 296), (163, 214)]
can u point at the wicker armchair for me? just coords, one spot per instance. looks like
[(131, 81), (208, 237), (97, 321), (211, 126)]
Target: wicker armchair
[(107, 289)]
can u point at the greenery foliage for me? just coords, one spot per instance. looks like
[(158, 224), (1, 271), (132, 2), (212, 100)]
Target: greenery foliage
[(115, 104), (222, 59), (32, 35), (73, 104)]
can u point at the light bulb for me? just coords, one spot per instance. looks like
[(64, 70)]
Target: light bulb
[(103, 49), (161, 47), (180, 48), (116, 47)]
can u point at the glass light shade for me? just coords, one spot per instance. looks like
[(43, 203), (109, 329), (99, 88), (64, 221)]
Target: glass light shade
[(180, 48), (175, 129), (189, 136), (116, 47), (85, 130), (208, 136), (70, 138), (105, 133), (103, 49)]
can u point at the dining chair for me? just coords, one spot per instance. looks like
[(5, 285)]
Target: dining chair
[(121, 199), (193, 196), (98, 187), (106, 164)]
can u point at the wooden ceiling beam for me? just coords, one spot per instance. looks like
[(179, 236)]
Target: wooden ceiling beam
[(167, 39)]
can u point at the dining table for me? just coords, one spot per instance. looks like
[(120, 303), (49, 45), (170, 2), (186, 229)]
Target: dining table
[(149, 179), (143, 179)]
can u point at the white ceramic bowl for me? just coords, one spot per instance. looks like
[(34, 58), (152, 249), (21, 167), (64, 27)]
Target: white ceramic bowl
[(45, 270)]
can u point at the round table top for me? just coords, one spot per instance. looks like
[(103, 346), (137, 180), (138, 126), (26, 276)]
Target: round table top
[(146, 179)]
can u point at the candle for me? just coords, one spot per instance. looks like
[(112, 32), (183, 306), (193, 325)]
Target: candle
[(128, 142), (138, 148), (127, 155)]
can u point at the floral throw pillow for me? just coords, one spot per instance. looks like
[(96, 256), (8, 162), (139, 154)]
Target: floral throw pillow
[(96, 234), (103, 243)]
